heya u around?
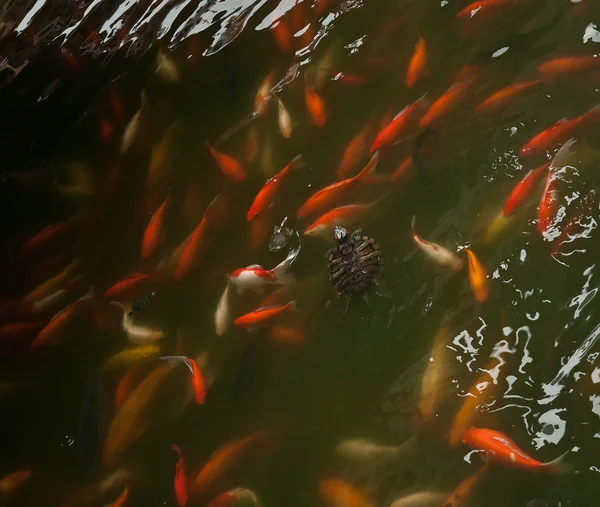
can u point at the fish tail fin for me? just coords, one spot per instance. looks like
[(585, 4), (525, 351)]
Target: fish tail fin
[(280, 274), (284, 278), (175, 360), (298, 162), (559, 466)]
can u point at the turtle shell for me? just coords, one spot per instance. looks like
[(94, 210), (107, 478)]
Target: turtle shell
[(355, 265)]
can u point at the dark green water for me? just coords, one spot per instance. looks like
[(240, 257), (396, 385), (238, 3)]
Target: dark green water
[(359, 370)]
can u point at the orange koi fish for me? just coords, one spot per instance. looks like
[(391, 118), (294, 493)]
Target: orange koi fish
[(263, 96), (503, 450), (391, 133), (463, 419), (260, 229), (121, 499), (48, 236), (465, 489), (283, 36), (315, 107), (339, 493), (221, 462), (284, 119), (354, 151), (477, 277), (267, 194), (229, 166), (568, 65), (154, 233), (198, 380), (264, 315), (523, 189), (547, 207), (562, 129), (417, 64), (126, 385), (135, 286), (446, 103), (440, 255), (180, 480), (501, 99), (404, 169), (195, 244), (337, 216), (329, 196)]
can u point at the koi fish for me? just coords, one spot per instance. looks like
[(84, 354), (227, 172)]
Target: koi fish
[(126, 385), (154, 233), (284, 120), (339, 493), (264, 315), (132, 355), (255, 277), (549, 138), (198, 380), (228, 165), (180, 480), (523, 189), (391, 133), (568, 65), (354, 151), (221, 462), (51, 286), (337, 216), (235, 497), (48, 236), (136, 333), (465, 489), (440, 255), (417, 64), (131, 131), (266, 196), (477, 277), (329, 196), (263, 96), (166, 67), (16, 330), (403, 170), (446, 103), (195, 244), (283, 36), (315, 107), (121, 499), (502, 98), (548, 203), (135, 286), (421, 499), (222, 315), (503, 450), (364, 449)]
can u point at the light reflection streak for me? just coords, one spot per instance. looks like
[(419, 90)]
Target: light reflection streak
[(69, 30), (526, 355), (29, 16), (559, 426)]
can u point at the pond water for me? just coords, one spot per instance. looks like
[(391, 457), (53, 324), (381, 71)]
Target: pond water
[(138, 135)]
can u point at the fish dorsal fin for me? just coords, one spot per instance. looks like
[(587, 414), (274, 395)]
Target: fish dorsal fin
[(254, 266), (174, 360)]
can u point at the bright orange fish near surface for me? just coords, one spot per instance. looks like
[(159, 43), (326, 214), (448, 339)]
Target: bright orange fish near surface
[(315, 107), (339, 493), (264, 315), (417, 64), (331, 195), (523, 189), (446, 103), (267, 194), (397, 127), (136, 285), (548, 204), (155, 230), (567, 65), (337, 216), (503, 450), (477, 277), (502, 98), (229, 166), (181, 479)]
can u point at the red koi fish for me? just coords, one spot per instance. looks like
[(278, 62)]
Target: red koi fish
[(315, 107), (266, 196), (337, 216), (180, 481), (502, 98), (503, 450), (568, 65), (135, 286), (397, 127), (547, 207), (440, 255), (283, 36), (229, 166), (255, 277), (523, 189), (446, 103), (354, 151), (195, 244), (264, 315), (562, 129), (329, 196), (478, 277), (198, 380), (417, 64), (154, 233)]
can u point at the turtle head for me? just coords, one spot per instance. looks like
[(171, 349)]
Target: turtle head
[(340, 234)]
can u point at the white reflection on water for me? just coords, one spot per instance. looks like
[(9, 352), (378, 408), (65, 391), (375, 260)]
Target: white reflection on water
[(552, 428), (29, 16)]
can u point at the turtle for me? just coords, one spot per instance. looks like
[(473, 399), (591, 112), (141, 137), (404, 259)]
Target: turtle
[(355, 264), (281, 237)]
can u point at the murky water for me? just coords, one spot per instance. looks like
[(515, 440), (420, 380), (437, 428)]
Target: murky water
[(107, 111)]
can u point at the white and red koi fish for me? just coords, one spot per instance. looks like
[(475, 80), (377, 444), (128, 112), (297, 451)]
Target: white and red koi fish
[(440, 255)]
